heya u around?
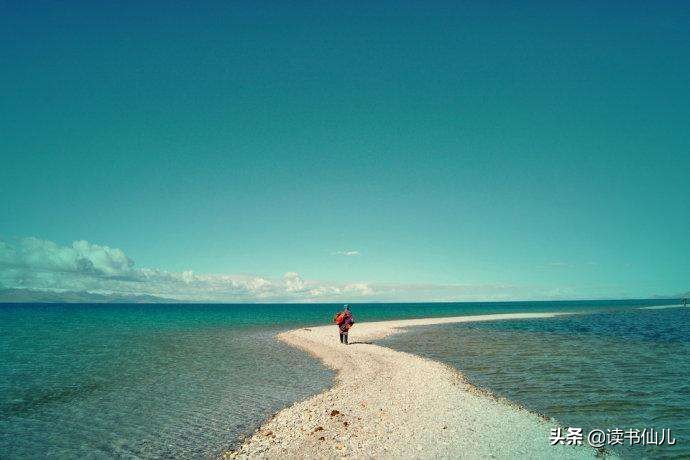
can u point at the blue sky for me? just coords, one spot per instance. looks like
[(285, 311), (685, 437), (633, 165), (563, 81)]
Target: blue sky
[(315, 151)]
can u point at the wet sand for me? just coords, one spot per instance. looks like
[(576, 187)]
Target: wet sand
[(391, 404)]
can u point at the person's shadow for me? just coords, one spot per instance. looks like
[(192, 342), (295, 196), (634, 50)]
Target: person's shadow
[(361, 343)]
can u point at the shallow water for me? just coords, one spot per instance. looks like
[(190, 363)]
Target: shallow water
[(169, 380), (616, 369), (76, 387)]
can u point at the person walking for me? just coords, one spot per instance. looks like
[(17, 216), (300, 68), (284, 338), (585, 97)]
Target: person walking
[(344, 320)]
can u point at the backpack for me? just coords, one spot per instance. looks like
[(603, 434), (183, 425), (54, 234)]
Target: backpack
[(339, 318)]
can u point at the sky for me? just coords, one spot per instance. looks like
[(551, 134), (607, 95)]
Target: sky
[(321, 151)]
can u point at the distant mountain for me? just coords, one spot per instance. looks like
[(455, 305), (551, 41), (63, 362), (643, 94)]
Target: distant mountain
[(30, 295)]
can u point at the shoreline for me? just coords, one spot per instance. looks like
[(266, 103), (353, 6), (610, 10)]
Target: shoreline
[(386, 403)]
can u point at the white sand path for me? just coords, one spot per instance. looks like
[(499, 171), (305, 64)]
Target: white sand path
[(390, 404), (663, 307)]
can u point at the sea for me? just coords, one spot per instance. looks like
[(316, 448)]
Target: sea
[(192, 380), (615, 372)]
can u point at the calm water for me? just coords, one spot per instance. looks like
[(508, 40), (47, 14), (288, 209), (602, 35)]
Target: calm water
[(173, 380), (615, 369)]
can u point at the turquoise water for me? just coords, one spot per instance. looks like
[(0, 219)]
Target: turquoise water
[(140, 381), (169, 380), (615, 369)]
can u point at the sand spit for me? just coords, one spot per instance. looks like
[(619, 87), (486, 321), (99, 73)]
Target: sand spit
[(663, 307), (391, 404)]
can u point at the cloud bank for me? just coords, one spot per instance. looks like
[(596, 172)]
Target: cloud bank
[(37, 264)]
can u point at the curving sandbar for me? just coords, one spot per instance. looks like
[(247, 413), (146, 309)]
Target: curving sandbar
[(387, 403)]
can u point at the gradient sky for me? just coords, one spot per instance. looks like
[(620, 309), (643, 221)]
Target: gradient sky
[(466, 151)]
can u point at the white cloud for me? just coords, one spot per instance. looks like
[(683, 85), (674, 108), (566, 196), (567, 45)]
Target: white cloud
[(293, 282), (82, 257), (33, 263), (346, 253)]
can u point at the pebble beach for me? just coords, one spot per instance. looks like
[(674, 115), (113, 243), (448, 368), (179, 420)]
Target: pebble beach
[(391, 404)]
